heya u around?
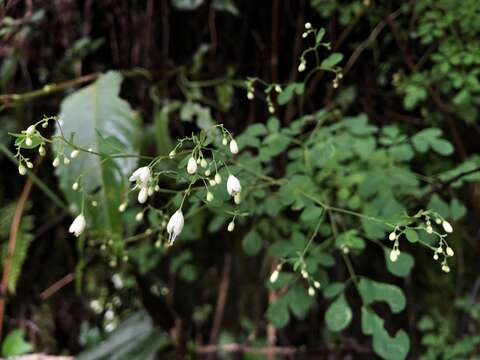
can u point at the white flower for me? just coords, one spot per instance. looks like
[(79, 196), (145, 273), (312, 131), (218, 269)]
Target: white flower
[(233, 146), (143, 195), (78, 225), (447, 226), (233, 185), (175, 225), (30, 130), (191, 166), (142, 175)]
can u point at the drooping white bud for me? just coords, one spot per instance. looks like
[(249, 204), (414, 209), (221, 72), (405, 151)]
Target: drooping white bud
[(392, 236), (316, 284), (237, 199), (22, 170), (449, 251), (41, 151), (233, 146), (233, 185), (231, 226), (78, 225), (445, 268), (191, 166), (203, 163), (172, 154), (308, 26), (217, 178), (30, 130), (66, 160), (301, 67), (56, 162), (393, 256), (212, 182), (175, 225), (311, 291), (122, 207), (143, 195), (28, 141), (74, 153), (447, 226), (75, 186), (224, 141), (139, 216), (274, 276), (209, 196), (29, 165)]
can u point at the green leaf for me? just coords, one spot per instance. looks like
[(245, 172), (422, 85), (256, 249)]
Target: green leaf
[(349, 239), (371, 291), (331, 61), (457, 210), (437, 204), (311, 213), (333, 290), (277, 313), (338, 314), (441, 146), (273, 124), (411, 235), (15, 344), (402, 267), (320, 35), (187, 5), (96, 118), (252, 243), (299, 301)]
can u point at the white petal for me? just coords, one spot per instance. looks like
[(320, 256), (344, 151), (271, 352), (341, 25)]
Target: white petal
[(143, 195)]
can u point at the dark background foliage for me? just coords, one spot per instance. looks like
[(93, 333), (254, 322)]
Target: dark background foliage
[(400, 67)]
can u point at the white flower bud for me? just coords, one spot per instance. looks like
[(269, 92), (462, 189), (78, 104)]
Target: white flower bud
[(237, 199), (233, 146), (224, 141), (212, 182), (78, 225), (274, 276), (316, 284), (172, 154), (143, 195), (447, 226), (445, 268), (217, 178), (175, 225), (94, 203), (66, 160), (22, 170), (191, 166), (41, 151), (393, 256), (308, 26), (122, 207), (29, 165), (139, 216), (74, 153), (207, 172), (304, 274), (75, 186), (392, 236), (233, 185), (30, 130), (56, 162), (209, 196), (435, 256), (429, 229), (311, 291), (231, 226), (203, 163), (449, 251), (150, 191), (28, 141), (301, 67), (250, 96)]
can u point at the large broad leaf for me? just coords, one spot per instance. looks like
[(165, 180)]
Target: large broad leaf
[(338, 314), (134, 339), (15, 344), (96, 118)]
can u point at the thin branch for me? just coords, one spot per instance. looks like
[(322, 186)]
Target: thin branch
[(12, 243)]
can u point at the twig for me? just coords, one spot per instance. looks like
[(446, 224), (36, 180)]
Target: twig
[(444, 184), (67, 279), (12, 243), (222, 299)]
